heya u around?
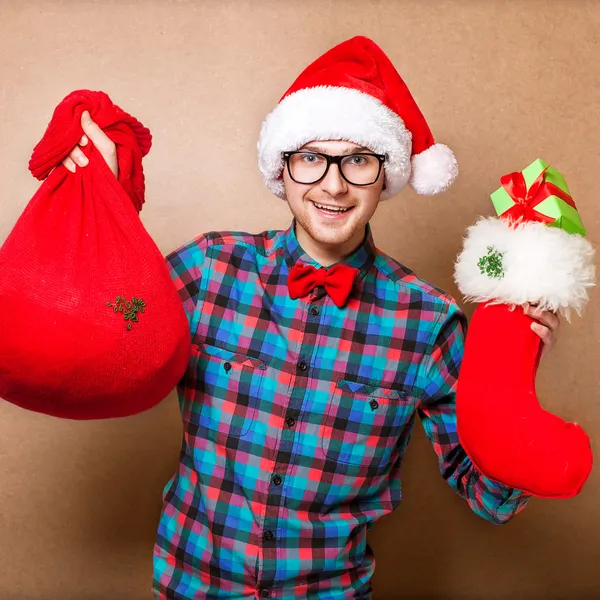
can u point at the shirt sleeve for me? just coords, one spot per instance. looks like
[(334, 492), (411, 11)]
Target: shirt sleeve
[(494, 502), (185, 267)]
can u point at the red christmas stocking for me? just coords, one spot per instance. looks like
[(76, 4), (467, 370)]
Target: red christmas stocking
[(501, 425), (91, 325)]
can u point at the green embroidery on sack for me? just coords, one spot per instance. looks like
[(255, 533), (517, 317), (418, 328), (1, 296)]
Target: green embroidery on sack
[(492, 264), (129, 308)]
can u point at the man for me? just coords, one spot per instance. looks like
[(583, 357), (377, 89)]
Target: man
[(313, 353)]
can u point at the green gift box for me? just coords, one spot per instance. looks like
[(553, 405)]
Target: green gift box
[(538, 193)]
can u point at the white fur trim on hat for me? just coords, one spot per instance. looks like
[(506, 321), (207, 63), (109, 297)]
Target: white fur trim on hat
[(433, 170), (541, 265), (334, 113)]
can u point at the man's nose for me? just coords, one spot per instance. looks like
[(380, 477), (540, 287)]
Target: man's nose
[(333, 183)]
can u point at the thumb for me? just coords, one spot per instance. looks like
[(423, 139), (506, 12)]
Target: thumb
[(95, 133)]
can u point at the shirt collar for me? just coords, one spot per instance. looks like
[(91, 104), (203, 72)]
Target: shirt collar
[(362, 258)]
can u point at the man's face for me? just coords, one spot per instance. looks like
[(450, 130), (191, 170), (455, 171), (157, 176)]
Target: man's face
[(333, 191)]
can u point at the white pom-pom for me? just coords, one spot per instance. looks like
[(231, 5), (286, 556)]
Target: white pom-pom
[(433, 170)]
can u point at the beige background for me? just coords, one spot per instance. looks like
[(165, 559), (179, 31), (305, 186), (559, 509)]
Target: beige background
[(501, 82)]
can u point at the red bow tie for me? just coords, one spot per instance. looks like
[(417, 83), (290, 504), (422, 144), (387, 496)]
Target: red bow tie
[(337, 281)]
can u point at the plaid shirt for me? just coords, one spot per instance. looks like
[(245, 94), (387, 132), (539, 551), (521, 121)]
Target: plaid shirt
[(296, 416)]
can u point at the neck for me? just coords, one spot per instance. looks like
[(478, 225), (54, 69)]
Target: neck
[(328, 254)]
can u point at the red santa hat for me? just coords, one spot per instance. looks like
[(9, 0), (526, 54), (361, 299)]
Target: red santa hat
[(353, 92)]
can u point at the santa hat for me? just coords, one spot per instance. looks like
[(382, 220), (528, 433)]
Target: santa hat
[(353, 92)]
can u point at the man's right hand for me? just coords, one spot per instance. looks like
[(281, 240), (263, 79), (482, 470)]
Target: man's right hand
[(104, 144)]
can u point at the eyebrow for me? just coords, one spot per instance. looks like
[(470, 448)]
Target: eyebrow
[(347, 150)]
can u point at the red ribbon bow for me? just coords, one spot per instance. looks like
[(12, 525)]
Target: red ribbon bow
[(337, 281), (526, 200)]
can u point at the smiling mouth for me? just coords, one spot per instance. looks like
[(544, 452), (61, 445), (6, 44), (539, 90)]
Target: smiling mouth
[(332, 211)]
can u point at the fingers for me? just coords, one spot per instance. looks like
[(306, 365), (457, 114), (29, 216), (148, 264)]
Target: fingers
[(69, 164), (544, 332), (545, 317), (76, 157), (545, 325), (103, 143)]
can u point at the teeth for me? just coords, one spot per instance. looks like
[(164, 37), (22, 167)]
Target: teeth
[(330, 209)]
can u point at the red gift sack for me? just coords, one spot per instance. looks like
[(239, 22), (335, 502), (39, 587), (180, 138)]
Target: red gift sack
[(91, 325)]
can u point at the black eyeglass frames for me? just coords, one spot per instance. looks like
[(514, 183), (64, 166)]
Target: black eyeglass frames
[(308, 167)]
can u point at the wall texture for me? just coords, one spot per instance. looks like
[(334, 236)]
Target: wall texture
[(501, 82)]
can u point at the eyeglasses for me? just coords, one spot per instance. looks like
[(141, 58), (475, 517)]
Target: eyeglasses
[(360, 168)]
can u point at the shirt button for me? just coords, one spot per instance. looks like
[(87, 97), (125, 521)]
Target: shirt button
[(268, 536), (302, 366), (277, 480), (314, 311), (374, 404), (290, 421), (227, 366), (264, 593)]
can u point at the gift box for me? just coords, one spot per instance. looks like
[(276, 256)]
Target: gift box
[(538, 193)]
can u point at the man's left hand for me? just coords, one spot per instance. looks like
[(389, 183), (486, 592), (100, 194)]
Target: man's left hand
[(546, 325)]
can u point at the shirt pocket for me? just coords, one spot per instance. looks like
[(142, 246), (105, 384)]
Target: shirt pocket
[(227, 387), (363, 423)]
